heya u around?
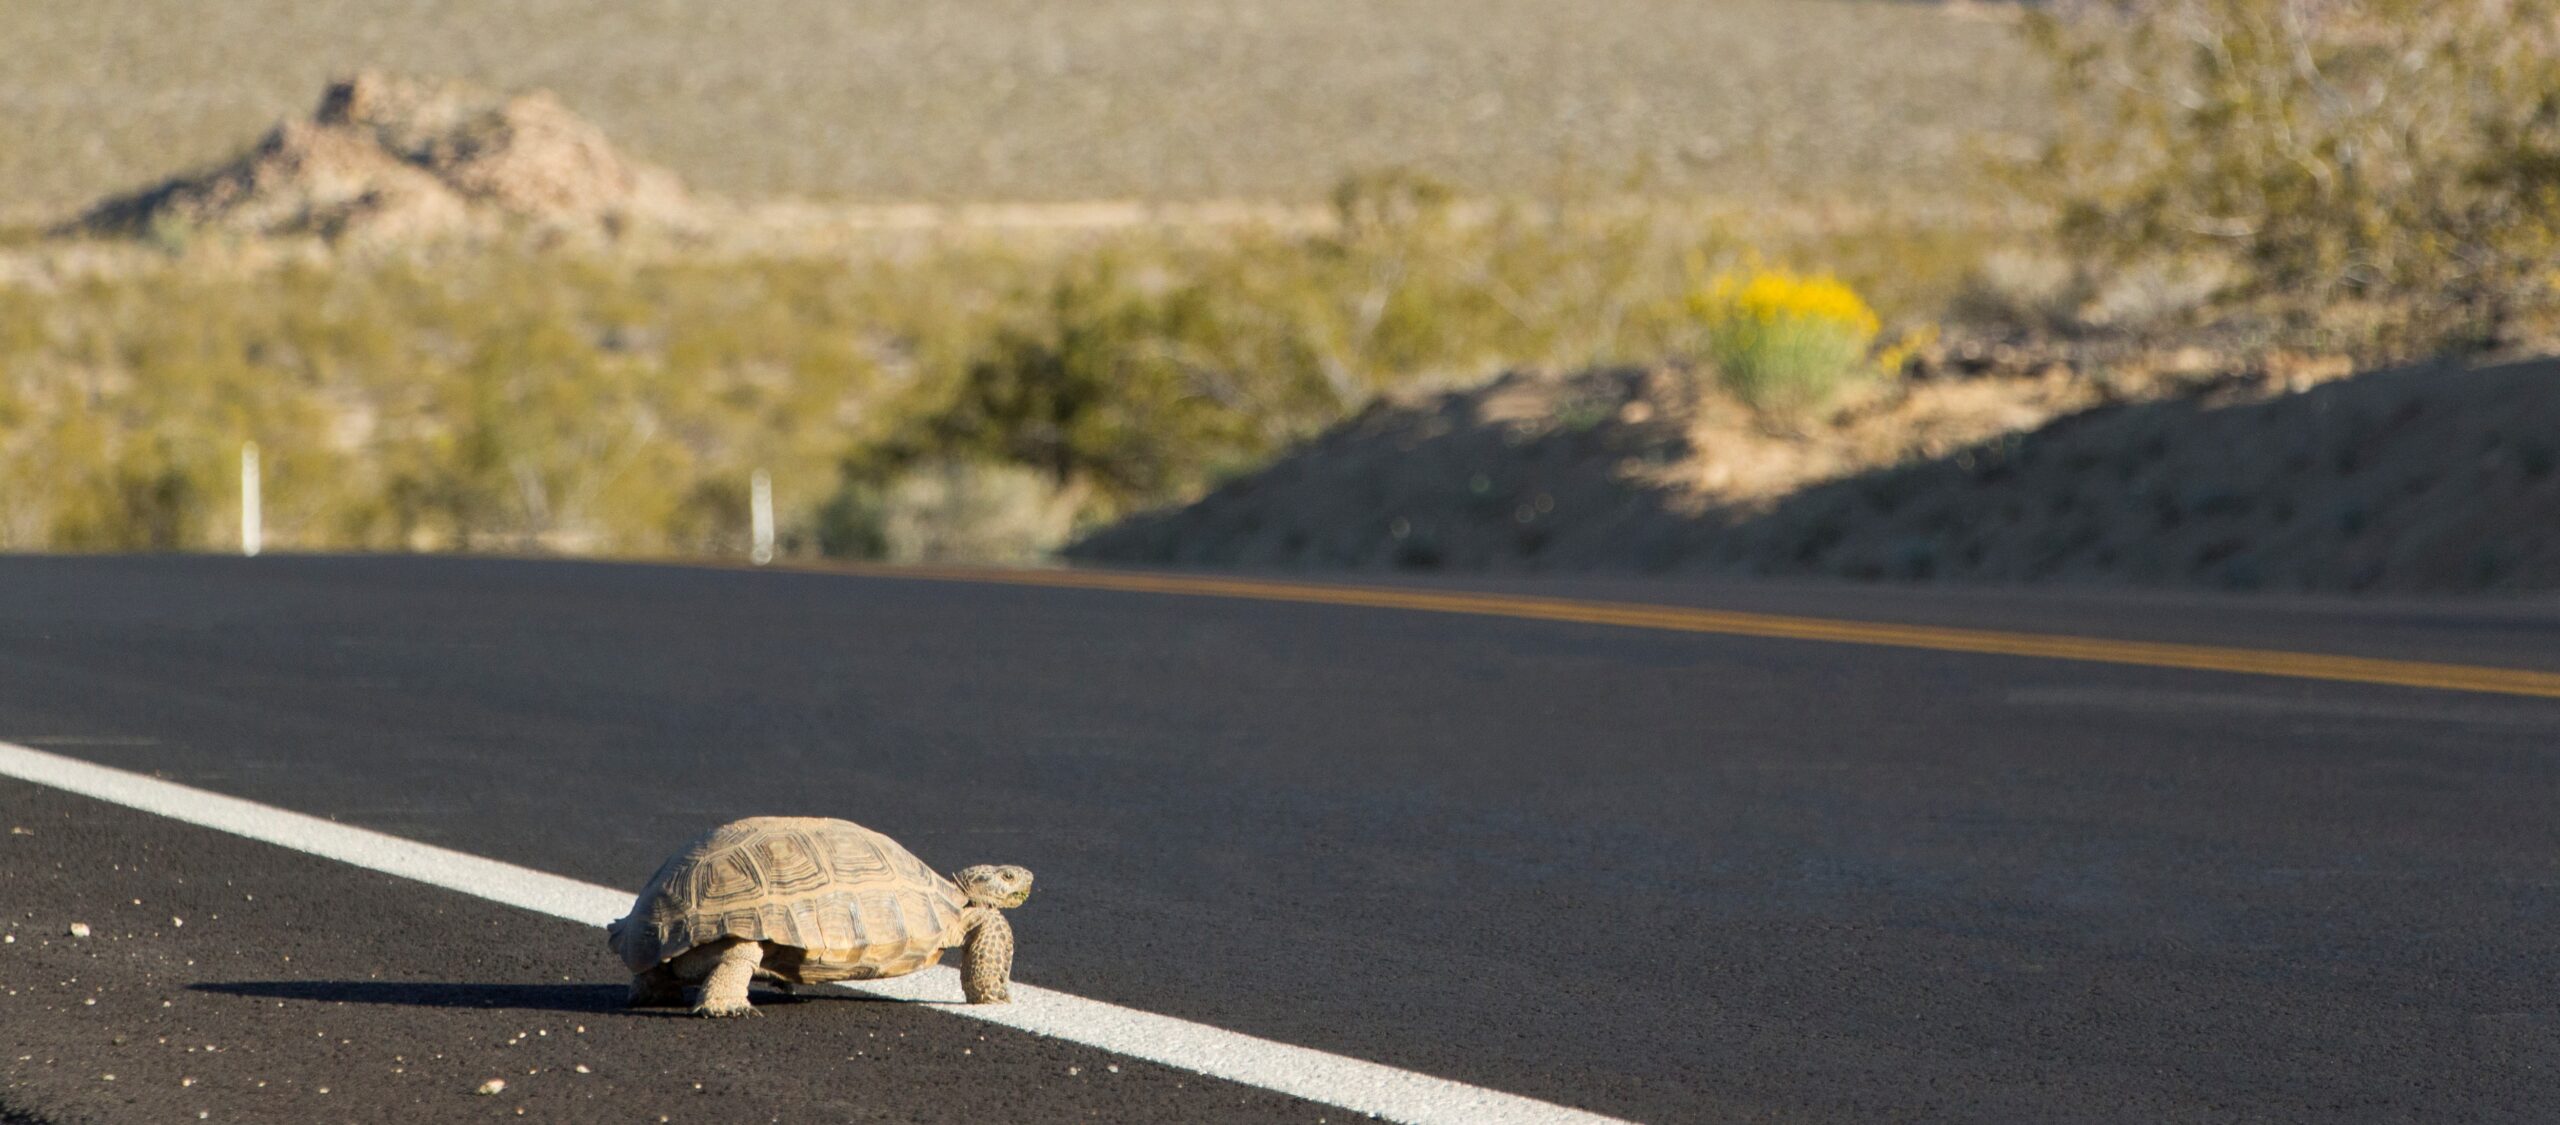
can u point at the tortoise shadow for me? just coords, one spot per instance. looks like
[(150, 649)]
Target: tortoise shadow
[(600, 999)]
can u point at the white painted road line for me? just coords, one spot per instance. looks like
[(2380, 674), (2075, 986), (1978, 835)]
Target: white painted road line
[(1353, 1084)]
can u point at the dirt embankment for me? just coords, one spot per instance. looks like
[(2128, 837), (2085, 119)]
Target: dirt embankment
[(2419, 479), (383, 157)]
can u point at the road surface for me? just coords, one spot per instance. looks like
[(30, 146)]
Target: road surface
[(1655, 873)]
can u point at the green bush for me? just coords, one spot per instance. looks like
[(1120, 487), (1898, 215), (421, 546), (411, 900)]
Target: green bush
[(2340, 153), (1095, 387)]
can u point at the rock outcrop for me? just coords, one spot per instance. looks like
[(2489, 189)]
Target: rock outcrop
[(387, 158)]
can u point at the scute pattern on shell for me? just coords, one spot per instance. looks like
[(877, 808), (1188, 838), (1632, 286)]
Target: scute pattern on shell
[(855, 903)]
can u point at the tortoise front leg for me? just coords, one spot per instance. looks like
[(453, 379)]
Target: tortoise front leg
[(657, 988), (725, 992), (986, 957)]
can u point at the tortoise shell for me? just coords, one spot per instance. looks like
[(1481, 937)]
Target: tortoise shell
[(833, 901)]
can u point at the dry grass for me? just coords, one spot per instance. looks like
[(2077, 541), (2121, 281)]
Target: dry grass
[(877, 100)]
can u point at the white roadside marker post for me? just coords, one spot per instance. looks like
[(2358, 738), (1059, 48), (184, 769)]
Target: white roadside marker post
[(760, 517), (251, 535)]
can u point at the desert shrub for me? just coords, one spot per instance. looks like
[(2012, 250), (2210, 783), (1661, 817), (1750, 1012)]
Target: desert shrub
[(2338, 152), (1094, 387), (961, 511), (1387, 200), (1783, 340), (948, 511)]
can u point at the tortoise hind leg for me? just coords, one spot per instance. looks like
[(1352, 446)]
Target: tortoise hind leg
[(725, 992), (777, 982), (657, 988)]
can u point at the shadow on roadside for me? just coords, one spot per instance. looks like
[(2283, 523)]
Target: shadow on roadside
[(599, 998)]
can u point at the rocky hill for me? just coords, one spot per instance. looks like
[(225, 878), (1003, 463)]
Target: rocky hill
[(391, 158)]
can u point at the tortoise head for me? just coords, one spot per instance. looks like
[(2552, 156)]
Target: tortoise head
[(989, 885)]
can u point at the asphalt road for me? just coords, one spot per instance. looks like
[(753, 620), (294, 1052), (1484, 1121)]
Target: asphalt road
[(1672, 877)]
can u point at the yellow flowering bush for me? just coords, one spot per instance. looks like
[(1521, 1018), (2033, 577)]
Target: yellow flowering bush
[(1781, 339)]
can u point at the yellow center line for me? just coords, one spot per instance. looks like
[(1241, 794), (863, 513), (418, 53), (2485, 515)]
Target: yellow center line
[(1679, 619)]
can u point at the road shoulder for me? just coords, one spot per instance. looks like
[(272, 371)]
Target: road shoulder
[(223, 979)]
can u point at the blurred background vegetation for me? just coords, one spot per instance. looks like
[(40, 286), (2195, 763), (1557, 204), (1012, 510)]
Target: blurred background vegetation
[(1012, 100), (1541, 186), (614, 398), (2379, 174)]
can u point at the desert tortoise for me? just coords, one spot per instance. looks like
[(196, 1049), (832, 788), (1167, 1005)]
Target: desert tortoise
[(804, 900)]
